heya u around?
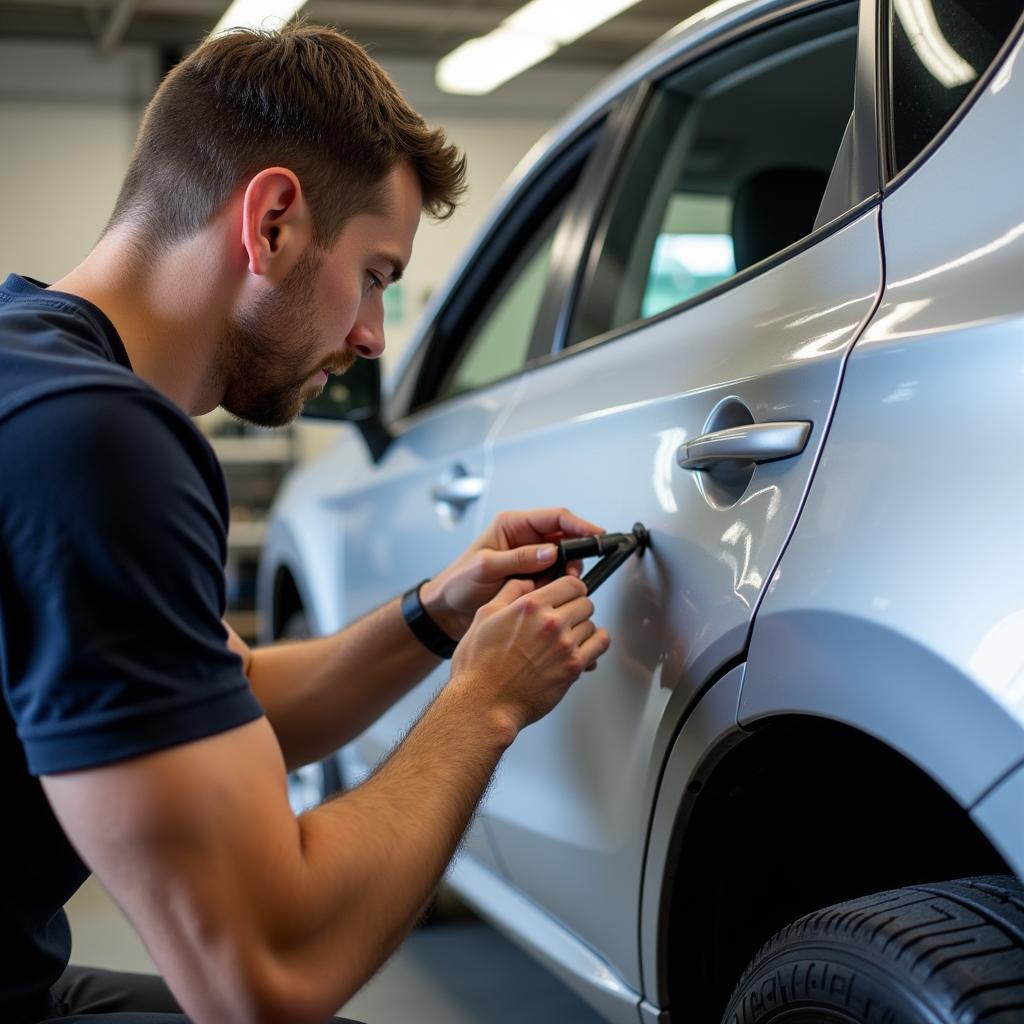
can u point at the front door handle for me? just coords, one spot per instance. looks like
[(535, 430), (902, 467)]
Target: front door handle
[(754, 442), (459, 491)]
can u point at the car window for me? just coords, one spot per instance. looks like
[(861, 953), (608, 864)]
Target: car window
[(500, 340), (492, 319), (728, 166), (939, 50)]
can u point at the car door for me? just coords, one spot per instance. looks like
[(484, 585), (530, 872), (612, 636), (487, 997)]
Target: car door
[(420, 507), (732, 265)]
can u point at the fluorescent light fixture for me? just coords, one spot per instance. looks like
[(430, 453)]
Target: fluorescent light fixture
[(482, 64), (523, 39), (931, 46), (257, 14), (565, 20)]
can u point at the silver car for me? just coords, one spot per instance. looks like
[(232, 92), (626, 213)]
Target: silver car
[(763, 292)]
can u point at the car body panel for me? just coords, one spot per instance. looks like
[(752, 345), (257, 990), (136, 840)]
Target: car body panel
[(711, 726), (1001, 816), (898, 606), (583, 970), (563, 812)]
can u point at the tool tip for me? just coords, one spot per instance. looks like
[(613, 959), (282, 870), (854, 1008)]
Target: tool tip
[(643, 536)]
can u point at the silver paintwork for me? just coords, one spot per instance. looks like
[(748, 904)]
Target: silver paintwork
[(873, 578), (711, 726), (599, 430), (758, 442), (898, 608), (1001, 816), (563, 953)]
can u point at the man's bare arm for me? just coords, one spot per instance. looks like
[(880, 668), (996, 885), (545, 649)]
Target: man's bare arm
[(254, 915), (321, 693)]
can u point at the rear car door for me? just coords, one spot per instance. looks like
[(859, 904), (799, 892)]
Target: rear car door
[(732, 265)]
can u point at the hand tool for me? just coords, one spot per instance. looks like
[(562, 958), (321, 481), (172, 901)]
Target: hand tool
[(615, 547)]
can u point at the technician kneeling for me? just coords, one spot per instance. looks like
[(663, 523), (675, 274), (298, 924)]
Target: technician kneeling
[(276, 187)]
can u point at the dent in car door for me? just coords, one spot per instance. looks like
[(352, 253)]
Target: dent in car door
[(600, 430)]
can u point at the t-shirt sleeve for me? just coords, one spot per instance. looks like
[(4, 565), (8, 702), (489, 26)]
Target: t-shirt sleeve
[(114, 590)]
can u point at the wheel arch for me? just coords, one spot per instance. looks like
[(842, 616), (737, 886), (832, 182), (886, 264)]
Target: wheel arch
[(756, 825), (282, 587)]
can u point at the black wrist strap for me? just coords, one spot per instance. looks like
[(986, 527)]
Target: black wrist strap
[(426, 630)]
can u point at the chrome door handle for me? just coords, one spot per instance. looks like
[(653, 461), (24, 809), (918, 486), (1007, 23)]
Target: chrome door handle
[(755, 442), (460, 490)]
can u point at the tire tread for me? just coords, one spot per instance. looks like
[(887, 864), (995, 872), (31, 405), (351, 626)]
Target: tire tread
[(976, 979)]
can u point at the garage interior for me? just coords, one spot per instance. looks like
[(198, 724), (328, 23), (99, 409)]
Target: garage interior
[(748, 784)]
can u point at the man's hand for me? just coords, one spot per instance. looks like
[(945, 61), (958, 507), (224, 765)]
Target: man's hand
[(515, 544), (527, 646)]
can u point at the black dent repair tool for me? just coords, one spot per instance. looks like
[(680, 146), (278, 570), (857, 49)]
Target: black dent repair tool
[(615, 547)]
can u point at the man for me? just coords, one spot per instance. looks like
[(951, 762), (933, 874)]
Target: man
[(275, 189)]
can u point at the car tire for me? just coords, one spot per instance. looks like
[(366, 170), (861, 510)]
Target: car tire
[(944, 953), (313, 783)]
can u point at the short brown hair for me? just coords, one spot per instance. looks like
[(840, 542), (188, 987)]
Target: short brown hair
[(303, 97)]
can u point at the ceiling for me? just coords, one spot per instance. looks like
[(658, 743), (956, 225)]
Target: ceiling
[(422, 29)]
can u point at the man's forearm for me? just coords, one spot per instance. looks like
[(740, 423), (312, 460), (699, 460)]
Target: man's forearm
[(320, 693), (374, 856)]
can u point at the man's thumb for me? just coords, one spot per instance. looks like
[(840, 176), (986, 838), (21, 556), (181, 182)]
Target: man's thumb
[(529, 558)]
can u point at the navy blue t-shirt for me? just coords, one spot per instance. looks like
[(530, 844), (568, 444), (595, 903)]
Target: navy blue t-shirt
[(113, 526)]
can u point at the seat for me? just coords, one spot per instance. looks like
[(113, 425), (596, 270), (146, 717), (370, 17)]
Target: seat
[(772, 209)]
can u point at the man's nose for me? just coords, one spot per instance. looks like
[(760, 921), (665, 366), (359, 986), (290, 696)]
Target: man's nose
[(367, 336)]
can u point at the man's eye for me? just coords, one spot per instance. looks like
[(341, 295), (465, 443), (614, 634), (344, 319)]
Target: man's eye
[(374, 282)]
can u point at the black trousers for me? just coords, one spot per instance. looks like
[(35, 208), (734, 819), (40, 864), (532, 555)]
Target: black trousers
[(88, 995)]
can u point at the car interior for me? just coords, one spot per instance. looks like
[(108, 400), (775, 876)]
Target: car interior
[(729, 167)]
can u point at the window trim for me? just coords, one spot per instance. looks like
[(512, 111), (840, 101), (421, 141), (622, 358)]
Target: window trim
[(593, 194), (864, 114), (467, 296), (749, 273), (980, 87)]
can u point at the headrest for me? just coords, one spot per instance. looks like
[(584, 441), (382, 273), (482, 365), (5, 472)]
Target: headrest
[(772, 209)]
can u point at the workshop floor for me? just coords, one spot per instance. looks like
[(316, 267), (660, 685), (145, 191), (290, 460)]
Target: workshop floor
[(460, 971)]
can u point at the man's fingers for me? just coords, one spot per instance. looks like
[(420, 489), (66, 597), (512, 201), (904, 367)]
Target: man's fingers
[(558, 592), (512, 591), (533, 524), (594, 646), (577, 611)]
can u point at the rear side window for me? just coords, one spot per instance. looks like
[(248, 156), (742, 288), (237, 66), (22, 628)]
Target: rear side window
[(728, 166), (939, 50)]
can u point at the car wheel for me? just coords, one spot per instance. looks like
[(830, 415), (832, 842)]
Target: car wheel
[(944, 953), (312, 783)]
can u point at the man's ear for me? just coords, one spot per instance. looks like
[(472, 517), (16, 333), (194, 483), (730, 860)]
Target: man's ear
[(276, 224)]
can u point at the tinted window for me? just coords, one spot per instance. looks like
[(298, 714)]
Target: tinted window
[(939, 49), (499, 343), (728, 167), (491, 316)]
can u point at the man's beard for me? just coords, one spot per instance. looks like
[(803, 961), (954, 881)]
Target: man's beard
[(269, 353)]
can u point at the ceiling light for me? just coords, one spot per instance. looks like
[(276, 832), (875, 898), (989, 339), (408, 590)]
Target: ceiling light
[(257, 14), (482, 64), (565, 20), (523, 39)]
